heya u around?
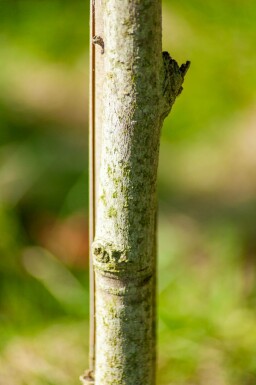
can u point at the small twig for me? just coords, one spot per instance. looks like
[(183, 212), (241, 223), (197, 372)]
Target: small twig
[(184, 67)]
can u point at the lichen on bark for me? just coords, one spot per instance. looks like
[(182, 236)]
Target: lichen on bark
[(139, 88)]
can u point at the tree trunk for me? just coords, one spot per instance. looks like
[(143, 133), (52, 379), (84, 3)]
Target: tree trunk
[(139, 88)]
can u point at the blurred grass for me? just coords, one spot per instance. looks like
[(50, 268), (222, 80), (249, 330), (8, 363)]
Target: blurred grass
[(207, 186)]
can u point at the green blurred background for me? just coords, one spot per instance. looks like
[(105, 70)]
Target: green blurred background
[(207, 186)]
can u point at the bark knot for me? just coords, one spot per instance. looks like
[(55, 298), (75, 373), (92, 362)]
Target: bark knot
[(108, 256), (98, 40)]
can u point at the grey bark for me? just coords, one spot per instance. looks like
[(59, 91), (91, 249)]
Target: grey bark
[(140, 86)]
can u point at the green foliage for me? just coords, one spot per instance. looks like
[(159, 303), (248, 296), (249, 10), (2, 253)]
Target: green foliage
[(51, 29), (217, 37)]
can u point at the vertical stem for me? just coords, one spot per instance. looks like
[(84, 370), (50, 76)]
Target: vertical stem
[(95, 129), (124, 246), (132, 90), (92, 185)]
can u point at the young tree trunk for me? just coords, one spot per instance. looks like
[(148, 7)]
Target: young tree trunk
[(139, 88)]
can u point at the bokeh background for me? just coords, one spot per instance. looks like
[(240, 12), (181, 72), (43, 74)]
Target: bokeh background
[(207, 195)]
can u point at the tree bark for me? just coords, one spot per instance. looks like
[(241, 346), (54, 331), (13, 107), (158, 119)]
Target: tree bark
[(140, 86)]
